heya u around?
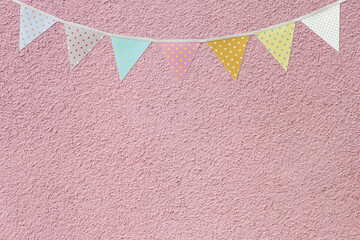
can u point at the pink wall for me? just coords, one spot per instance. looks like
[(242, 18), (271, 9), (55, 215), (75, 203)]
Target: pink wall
[(274, 155)]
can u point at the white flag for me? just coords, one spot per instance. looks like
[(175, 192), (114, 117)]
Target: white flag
[(32, 25), (327, 25)]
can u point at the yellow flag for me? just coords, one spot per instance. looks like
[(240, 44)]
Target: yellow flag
[(230, 52), (278, 41)]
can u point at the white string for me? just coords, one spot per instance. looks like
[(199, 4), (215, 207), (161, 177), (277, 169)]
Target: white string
[(182, 40)]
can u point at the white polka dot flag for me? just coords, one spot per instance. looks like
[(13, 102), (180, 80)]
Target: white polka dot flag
[(327, 25), (179, 56), (127, 53), (80, 42), (32, 25)]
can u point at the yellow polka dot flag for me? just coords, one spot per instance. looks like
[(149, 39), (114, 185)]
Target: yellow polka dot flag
[(32, 25), (278, 41), (230, 52), (127, 53)]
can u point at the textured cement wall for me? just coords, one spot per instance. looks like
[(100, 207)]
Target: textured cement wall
[(274, 155)]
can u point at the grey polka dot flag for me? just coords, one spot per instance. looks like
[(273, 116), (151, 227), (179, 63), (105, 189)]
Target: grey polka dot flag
[(326, 24), (80, 42)]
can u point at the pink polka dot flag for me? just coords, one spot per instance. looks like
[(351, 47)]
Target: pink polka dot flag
[(179, 57), (80, 42), (32, 25)]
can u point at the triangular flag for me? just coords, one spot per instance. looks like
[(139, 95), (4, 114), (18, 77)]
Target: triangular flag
[(278, 41), (80, 42), (327, 25), (230, 52), (179, 56), (127, 53), (32, 25)]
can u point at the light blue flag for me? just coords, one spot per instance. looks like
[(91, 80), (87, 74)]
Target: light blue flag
[(127, 53), (32, 25)]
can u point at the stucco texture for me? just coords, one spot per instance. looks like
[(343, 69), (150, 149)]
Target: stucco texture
[(274, 155)]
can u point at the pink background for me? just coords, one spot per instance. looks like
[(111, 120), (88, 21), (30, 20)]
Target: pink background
[(274, 155)]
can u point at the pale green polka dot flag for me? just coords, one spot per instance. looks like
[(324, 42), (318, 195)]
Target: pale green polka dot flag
[(278, 41), (127, 53), (327, 25)]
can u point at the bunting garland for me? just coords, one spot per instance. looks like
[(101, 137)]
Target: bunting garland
[(180, 53)]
